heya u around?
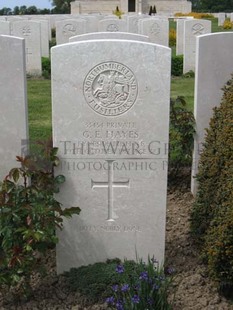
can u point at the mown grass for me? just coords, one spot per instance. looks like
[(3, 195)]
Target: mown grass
[(39, 109)]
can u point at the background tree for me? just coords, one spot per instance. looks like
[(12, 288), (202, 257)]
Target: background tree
[(5, 11), (61, 6), (32, 10), (213, 5), (16, 10)]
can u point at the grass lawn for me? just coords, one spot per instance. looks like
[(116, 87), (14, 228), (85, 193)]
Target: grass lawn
[(39, 109), (39, 103)]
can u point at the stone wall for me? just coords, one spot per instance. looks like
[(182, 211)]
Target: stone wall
[(103, 6)]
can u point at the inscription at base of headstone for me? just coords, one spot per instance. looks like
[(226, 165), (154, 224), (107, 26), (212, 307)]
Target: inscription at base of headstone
[(110, 120)]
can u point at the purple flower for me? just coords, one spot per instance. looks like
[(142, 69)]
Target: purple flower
[(144, 276), (110, 300), (137, 287), (135, 299), (119, 305), (120, 269), (125, 287), (115, 288)]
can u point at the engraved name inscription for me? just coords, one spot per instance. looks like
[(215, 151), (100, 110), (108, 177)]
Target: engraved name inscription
[(110, 88)]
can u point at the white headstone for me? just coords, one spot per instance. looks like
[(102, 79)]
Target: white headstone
[(132, 22), (112, 25), (13, 103), (156, 29), (92, 23), (213, 70), (109, 35), (68, 28), (30, 31), (5, 28), (45, 29), (110, 122), (180, 36), (221, 18), (192, 29)]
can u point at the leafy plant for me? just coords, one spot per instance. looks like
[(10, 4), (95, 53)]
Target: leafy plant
[(46, 68), (29, 214), (143, 286), (182, 128), (212, 213), (177, 65)]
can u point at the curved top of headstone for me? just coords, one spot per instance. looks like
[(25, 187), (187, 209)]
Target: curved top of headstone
[(109, 35)]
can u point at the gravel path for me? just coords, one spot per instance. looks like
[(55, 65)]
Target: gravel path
[(192, 289)]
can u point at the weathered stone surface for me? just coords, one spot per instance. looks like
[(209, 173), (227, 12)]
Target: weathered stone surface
[(110, 122), (213, 70), (109, 35), (13, 103), (31, 32), (193, 29)]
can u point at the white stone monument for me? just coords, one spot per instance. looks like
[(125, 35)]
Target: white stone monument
[(31, 32), (68, 28), (221, 18), (5, 28), (13, 103), (109, 35), (156, 29), (192, 29), (110, 123), (112, 25), (213, 70)]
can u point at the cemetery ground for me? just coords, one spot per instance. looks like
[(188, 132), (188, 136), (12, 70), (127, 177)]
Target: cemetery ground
[(192, 289)]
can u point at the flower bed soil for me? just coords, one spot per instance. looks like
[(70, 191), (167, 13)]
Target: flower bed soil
[(193, 290)]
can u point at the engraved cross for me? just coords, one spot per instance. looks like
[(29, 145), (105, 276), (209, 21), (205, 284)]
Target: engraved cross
[(27, 54), (110, 184)]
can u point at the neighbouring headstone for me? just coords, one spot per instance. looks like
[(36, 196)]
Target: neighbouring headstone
[(180, 36), (132, 23), (45, 37), (109, 35), (213, 70), (112, 25), (110, 123), (5, 28), (68, 28), (13, 103), (192, 29), (221, 18), (31, 32), (156, 29)]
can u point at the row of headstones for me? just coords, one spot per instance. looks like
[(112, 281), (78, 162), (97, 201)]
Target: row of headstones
[(110, 122), (38, 33)]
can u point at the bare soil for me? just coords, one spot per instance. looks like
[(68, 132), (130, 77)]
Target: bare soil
[(193, 290)]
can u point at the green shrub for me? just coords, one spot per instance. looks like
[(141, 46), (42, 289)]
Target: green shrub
[(212, 214), (181, 140), (29, 215), (177, 65), (46, 67)]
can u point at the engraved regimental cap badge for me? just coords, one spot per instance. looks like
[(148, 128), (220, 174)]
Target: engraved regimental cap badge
[(110, 88)]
